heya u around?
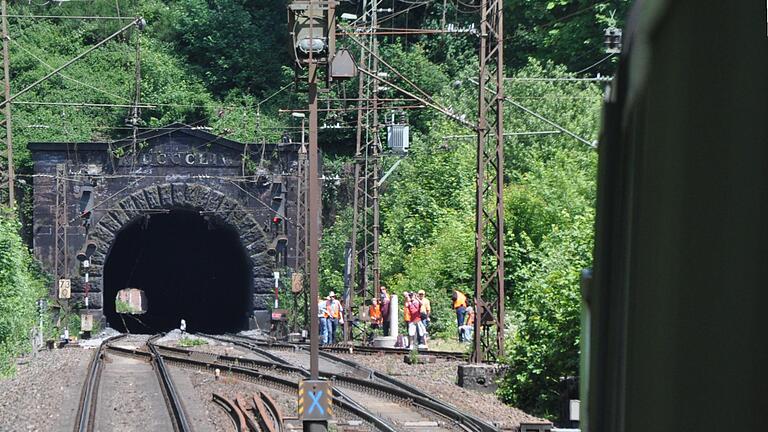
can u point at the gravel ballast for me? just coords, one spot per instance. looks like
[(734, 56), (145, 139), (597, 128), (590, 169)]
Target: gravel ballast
[(44, 393), (439, 380)]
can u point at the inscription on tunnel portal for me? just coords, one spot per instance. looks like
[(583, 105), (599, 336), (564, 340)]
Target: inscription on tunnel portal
[(186, 157)]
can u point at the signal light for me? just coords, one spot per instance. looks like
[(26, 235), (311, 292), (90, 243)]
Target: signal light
[(276, 220)]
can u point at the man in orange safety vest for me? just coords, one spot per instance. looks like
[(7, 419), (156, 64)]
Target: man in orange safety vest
[(460, 305)]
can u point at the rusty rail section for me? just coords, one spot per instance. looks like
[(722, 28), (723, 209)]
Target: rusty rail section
[(266, 406), (250, 420), (86, 410), (233, 411)]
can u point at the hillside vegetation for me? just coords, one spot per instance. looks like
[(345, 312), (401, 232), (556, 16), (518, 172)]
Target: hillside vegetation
[(222, 64)]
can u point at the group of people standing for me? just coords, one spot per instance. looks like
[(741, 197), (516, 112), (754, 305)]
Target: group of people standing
[(416, 313), (417, 310), (330, 312)]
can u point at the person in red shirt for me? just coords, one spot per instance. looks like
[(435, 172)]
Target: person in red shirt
[(416, 329), (384, 304)]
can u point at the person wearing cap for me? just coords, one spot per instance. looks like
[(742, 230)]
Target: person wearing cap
[(335, 316)]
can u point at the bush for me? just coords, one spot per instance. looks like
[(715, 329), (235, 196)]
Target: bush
[(21, 285), (187, 342)]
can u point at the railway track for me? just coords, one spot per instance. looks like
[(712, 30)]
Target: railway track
[(88, 408), (354, 349), (363, 399), (401, 405), (266, 373)]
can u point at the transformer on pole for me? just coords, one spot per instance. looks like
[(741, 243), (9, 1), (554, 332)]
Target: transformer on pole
[(489, 211)]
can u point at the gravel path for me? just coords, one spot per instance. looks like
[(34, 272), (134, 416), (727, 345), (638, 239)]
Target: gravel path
[(439, 379), (44, 394)]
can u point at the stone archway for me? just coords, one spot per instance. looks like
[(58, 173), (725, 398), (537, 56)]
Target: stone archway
[(180, 196)]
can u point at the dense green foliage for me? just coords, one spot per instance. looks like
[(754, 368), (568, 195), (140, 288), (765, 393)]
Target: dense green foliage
[(218, 63), (22, 285), (428, 224)]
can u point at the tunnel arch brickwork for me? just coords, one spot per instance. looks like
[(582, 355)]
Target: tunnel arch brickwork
[(176, 167), (196, 197)]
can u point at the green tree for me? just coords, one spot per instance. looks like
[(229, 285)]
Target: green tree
[(233, 44), (568, 32)]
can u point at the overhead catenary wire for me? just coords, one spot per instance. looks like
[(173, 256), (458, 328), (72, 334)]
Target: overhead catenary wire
[(432, 105), (13, 41), (586, 79), (596, 63), (84, 104), (78, 17), (518, 105), (69, 62)]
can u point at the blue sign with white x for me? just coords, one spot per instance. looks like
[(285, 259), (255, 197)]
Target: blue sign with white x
[(315, 396)]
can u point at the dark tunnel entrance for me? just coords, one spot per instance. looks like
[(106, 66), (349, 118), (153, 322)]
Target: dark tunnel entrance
[(189, 268)]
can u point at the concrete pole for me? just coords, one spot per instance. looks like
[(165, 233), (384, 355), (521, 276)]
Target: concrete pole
[(393, 316)]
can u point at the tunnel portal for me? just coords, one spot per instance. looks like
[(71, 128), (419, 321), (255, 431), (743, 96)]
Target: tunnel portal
[(177, 212), (188, 266)]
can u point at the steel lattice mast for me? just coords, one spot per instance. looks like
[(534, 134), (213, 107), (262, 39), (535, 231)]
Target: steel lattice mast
[(302, 204), (365, 223), (489, 211)]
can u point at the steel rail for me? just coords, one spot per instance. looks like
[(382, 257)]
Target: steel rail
[(86, 410), (351, 349), (250, 419), (264, 401), (233, 412), (375, 383), (476, 423), (172, 399), (278, 363), (255, 374)]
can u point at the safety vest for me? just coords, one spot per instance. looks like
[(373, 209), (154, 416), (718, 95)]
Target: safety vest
[(461, 300), (334, 309), (374, 312)]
